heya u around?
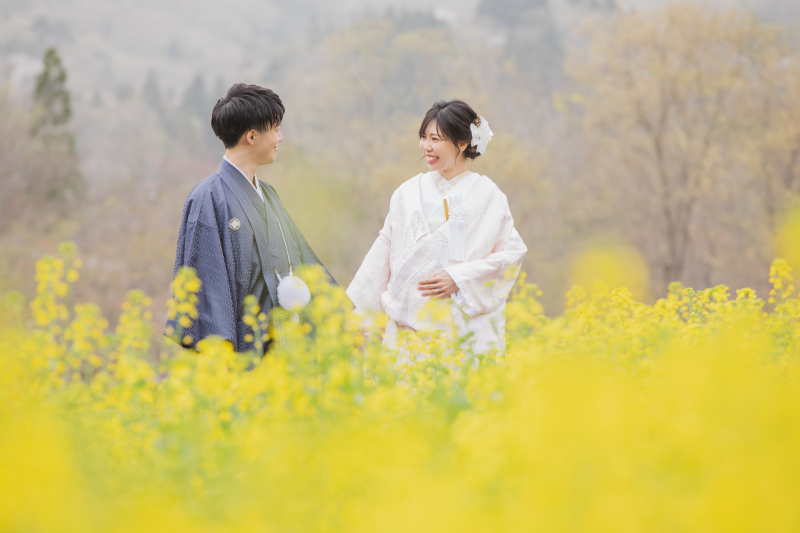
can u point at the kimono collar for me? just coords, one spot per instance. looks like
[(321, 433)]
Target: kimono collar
[(469, 188), (235, 178), (253, 181), (443, 185), (431, 198), (266, 235), (413, 195)]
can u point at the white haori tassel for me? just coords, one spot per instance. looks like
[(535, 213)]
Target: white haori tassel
[(457, 230), (293, 294), (442, 254)]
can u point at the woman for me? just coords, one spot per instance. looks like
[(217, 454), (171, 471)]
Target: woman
[(449, 234)]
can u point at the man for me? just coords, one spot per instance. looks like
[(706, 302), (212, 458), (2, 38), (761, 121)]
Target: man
[(235, 232)]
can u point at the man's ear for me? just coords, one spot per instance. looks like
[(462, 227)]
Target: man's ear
[(250, 137)]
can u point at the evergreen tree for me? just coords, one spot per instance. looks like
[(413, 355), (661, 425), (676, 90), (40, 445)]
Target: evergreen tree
[(51, 97), (42, 183)]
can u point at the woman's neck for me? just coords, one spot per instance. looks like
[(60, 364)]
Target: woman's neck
[(451, 173)]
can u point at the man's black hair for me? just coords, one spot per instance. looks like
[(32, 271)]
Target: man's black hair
[(244, 108)]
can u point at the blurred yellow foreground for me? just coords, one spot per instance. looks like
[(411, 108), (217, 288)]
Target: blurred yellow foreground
[(616, 416)]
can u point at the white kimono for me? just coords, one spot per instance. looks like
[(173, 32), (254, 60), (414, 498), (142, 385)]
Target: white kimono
[(416, 242)]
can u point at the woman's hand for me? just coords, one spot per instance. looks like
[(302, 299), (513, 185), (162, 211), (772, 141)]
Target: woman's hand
[(440, 285)]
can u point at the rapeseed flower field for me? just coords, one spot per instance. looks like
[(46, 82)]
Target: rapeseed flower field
[(616, 416)]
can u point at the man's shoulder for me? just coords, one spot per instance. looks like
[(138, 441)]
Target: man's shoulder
[(205, 200), (206, 188)]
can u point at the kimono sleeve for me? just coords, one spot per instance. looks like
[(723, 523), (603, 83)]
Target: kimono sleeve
[(372, 278), (200, 246), (483, 285)]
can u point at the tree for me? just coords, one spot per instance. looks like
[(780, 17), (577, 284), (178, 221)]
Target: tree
[(665, 99), (372, 82), (40, 176), (51, 97), (773, 154)]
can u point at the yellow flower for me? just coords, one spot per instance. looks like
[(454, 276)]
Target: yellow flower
[(614, 389), (62, 289)]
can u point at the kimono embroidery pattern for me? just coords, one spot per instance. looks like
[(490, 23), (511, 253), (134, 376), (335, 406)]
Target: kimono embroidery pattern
[(375, 266), (503, 282), (415, 308), (445, 186), (470, 214), (416, 226)]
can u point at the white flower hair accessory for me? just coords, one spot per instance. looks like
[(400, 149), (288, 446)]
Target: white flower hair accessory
[(481, 135)]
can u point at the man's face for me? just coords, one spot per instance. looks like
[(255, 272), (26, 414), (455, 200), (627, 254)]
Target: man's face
[(265, 144)]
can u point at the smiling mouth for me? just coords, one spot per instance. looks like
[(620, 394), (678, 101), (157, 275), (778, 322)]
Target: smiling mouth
[(431, 159)]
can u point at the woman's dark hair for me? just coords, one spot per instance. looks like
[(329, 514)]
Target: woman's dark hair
[(245, 108), (453, 118)]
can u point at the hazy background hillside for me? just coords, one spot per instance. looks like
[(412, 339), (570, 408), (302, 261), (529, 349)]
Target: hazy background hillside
[(111, 45), (356, 77)]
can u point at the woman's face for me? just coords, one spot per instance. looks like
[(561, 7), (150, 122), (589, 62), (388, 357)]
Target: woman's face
[(439, 152)]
